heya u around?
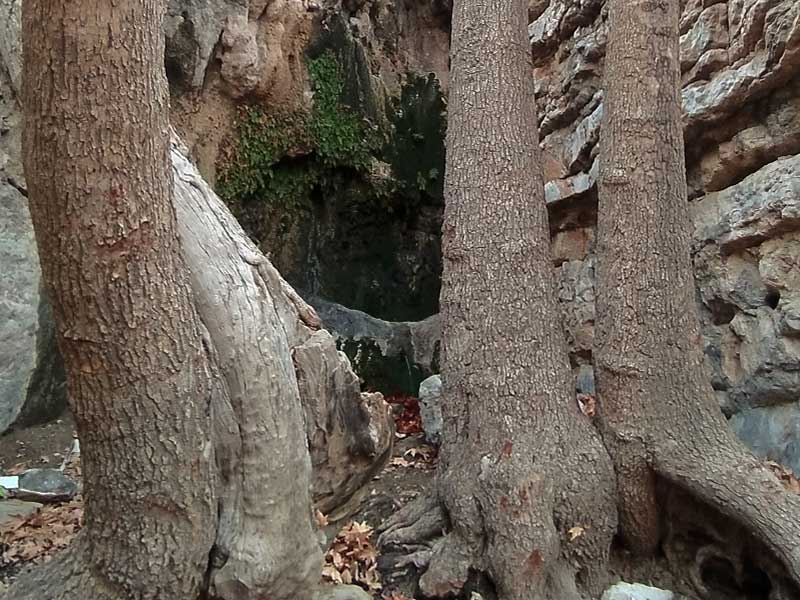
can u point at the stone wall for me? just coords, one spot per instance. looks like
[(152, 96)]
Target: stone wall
[(741, 96)]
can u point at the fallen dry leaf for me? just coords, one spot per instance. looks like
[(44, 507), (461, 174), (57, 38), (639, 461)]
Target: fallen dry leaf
[(320, 519), (575, 532), (587, 404), (395, 595), (352, 558), (785, 475)]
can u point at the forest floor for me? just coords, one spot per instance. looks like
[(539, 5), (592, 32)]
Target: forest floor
[(34, 535)]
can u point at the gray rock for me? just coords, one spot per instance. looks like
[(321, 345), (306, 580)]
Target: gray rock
[(10, 41), (772, 432), (709, 32), (430, 408), (390, 356), (193, 28), (761, 206), (584, 380), (342, 592), (12, 509), (637, 591), (45, 485), (31, 376)]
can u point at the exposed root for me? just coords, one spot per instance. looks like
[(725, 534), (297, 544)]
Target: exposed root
[(532, 533), (730, 480), (418, 523)]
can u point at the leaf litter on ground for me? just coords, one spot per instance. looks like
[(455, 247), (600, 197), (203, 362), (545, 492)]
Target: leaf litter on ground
[(352, 558)]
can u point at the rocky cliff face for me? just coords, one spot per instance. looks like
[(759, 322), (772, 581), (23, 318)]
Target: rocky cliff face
[(741, 95)]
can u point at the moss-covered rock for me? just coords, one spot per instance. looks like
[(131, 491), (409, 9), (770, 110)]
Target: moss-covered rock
[(347, 196)]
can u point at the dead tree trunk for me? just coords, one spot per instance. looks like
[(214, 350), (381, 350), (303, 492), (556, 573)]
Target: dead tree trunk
[(659, 413), (524, 477), (183, 359)]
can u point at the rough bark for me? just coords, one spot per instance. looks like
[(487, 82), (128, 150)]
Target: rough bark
[(659, 414), (290, 390), (95, 151), (179, 354), (524, 477)]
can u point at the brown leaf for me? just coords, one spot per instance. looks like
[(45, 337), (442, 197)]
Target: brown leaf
[(575, 532), (320, 519), (587, 404)]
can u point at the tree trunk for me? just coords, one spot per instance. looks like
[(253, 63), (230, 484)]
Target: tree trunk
[(659, 414), (96, 148), (524, 476), (179, 356)]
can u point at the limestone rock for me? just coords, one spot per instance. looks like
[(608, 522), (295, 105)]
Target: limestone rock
[(391, 356), (637, 591), (45, 485), (31, 380), (763, 205), (430, 408), (772, 432), (240, 59), (12, 509), (193, 29), (10, 42)]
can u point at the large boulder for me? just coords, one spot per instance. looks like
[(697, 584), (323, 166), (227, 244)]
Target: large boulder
[(388, 356), (31, 377)]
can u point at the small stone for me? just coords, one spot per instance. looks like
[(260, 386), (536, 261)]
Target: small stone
[(46, 485), (342, 592), (13, 509), (430, 409), (637, 591)]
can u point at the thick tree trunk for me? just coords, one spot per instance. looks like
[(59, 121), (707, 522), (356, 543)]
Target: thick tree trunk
[(524, 476), (190, 365), (658, 410), (96, 152), (257, 325)]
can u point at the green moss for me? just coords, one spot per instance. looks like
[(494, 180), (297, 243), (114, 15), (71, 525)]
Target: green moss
[(341, 137), (329, 138), (381, 373), (346, 196), (252, 170)]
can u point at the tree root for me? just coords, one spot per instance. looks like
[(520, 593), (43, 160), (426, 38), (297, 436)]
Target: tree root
[(732, 481), (533, 534)]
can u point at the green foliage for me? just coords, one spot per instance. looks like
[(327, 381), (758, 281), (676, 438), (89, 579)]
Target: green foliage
[(341, 137), (330, 138)]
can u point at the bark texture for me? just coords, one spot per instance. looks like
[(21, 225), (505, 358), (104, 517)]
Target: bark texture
[(659, 414), (192, 364), (289, 389), (96, 153), (524, 477)]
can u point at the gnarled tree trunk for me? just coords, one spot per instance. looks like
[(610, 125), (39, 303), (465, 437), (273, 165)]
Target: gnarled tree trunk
[(658, 409), (183, 357), (524, 477)]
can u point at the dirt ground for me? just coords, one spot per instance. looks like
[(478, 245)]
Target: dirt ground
[(34, 538), (38, 446)]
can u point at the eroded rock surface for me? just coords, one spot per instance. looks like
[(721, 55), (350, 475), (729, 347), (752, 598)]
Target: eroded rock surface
[(741, 97)]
